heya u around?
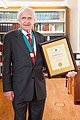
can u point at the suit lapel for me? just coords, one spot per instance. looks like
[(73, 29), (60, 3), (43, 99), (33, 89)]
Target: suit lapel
[(20, 41), (37, 44)]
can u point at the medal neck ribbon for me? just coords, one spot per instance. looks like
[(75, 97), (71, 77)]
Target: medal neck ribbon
[(30, 47)]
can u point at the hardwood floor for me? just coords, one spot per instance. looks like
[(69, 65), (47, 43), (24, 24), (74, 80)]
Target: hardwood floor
[(59, 104)]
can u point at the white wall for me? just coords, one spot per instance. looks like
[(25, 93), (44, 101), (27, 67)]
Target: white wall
[(74, 24), (79, 23)]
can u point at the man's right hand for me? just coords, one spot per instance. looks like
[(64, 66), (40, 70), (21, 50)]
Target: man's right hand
[(9, 95)]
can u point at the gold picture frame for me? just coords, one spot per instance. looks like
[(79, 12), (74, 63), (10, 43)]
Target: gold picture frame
[(58, 56)]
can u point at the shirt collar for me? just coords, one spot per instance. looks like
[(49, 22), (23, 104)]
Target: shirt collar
[(24, 32)]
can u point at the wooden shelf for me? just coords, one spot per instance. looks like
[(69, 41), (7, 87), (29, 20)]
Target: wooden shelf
[(73, 85)]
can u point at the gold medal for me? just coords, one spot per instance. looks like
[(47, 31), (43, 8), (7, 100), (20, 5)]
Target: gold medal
[(32, 55)]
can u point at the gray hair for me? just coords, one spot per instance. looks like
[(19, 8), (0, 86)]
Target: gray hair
[(25, 8)]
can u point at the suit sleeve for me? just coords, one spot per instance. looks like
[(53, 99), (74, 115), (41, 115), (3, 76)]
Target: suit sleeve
[(7, 84), (45, 40)]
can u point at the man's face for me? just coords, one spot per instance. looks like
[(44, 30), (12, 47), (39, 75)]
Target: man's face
[(26, 20)]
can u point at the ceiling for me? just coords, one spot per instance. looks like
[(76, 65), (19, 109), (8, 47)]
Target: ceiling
[(7, 3), (34, 0)]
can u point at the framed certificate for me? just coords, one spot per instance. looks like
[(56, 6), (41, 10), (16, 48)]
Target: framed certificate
[(58, 56)]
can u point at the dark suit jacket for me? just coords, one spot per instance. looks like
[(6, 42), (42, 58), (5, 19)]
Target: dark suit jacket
[(19, 78)]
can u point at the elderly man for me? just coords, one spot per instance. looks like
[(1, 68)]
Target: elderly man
[(23, 79)]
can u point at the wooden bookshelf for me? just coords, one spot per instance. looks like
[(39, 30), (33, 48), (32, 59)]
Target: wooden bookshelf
[(50, 21), (73, 85)]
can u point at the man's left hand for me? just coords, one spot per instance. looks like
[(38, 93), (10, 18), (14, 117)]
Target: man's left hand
[(71, 74)]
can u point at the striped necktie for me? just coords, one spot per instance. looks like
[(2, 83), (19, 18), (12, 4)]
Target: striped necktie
[(32, 54)]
